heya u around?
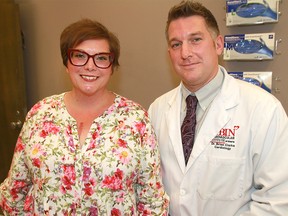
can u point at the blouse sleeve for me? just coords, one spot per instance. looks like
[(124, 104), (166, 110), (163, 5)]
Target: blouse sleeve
[(15, 187), (153, 200)]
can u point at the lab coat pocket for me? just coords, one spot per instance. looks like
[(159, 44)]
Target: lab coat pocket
[(221, 178)]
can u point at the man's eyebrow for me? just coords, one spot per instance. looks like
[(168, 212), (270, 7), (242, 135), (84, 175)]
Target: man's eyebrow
[(198, 33)]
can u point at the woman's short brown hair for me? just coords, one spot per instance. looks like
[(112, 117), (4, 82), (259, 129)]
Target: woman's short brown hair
[(86, 29)]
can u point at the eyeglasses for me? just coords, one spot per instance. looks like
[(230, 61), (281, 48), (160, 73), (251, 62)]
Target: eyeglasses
[(80, 58)]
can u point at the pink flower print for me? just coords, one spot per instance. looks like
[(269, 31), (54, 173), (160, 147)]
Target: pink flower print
[(68, 133), (17, 186), (62, 189), (28, 204), (43, 133), (69, 130), (71, 144), (88, 189), (140, 126), (36, 162), (147, 212), (87, 182), (72, 211), (86, 173), (5, 206), (122, 103), (69, 177), (34, 110), (111, 109), (142, 210), (64, 212), (129, 181), (114, 182), (55, 104), (132, 210), (141, 207), (121, 125), (115, 212), (158, 185), (19, 145), (93, 144), (36, 149), (119, 174), (95, 135), (49, 128), (151, 140), (122, 143), (120, 198), (123, 156), (93, 211)]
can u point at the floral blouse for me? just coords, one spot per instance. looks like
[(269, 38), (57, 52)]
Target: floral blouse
[(116, 171)]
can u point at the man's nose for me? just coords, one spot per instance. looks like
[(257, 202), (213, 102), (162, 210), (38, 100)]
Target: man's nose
[(186, 50)]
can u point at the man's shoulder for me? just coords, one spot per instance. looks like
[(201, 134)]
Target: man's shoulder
[(166, 97)]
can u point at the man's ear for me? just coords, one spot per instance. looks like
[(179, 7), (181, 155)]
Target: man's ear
[(219, 44)]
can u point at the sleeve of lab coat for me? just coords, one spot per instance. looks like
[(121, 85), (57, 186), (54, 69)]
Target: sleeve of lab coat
[(270, 159)]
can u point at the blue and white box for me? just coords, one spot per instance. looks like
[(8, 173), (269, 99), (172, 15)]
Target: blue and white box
[(247, 12), (262, 79), (249, 46)]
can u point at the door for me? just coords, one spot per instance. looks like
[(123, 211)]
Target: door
[(12, 83)]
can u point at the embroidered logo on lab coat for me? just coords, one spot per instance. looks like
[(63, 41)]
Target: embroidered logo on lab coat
[(225, 139)]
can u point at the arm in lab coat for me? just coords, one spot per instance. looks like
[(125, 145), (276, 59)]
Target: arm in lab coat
[(270, 159)]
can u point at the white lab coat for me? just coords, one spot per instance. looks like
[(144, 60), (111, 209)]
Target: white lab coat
[(239, 162)]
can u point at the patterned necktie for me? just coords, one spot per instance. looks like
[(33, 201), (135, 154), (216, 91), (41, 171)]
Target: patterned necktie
[(188, 126)]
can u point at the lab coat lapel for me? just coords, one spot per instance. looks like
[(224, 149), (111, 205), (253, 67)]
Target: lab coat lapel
[(173, 126), (217, 117)]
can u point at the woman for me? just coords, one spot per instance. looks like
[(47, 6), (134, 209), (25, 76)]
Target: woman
[(88, 151)]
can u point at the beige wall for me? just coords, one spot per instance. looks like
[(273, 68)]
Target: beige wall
[(145, 71)]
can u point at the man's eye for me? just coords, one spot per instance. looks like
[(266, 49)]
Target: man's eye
[(195, 40), (175, 45)]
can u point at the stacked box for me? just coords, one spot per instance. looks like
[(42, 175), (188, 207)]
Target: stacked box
[(260, 78), (249, 46), (245, 12)]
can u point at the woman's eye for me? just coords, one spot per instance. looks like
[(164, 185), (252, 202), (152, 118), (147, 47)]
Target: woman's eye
[(102, 57), (79, 55)]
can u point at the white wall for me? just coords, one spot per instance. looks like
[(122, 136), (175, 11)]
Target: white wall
[(145, 71)]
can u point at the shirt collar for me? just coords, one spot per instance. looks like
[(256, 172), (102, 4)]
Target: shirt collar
[(207, 93)]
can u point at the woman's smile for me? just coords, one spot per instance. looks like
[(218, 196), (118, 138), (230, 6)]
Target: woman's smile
[(89, 78)]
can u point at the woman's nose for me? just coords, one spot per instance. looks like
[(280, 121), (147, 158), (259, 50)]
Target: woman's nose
[(90, 65)]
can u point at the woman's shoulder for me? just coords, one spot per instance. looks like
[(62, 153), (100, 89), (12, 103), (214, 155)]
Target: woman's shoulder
[(124, 104), (50, 102)]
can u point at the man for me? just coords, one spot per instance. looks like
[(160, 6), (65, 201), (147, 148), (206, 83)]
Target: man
[(238, 164)]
